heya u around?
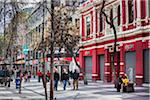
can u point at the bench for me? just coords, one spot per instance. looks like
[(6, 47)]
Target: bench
[(129, 88)]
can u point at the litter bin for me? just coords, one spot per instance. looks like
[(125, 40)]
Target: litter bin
[(18, 82)]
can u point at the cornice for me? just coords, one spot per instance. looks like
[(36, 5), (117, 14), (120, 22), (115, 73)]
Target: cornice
[(119, 35)]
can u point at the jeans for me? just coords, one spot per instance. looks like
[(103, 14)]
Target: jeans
[(39, 78), (65, 83), (55, 84)]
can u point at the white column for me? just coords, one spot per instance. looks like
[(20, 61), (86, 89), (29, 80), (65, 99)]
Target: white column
[(134, 20), (94, 23), (138, 12), (121, 17), (81, 26), (115, 18), (127, 13), (147, 10)]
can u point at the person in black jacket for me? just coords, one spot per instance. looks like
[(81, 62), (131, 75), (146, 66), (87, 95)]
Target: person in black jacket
[(56, 79), (75, 80), (118, 83), (65, 78)]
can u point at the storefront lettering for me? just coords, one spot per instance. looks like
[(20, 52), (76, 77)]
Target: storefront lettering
[(87, 52), (128, 47)]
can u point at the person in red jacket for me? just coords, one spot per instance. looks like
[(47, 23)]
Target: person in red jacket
[(39, 74)]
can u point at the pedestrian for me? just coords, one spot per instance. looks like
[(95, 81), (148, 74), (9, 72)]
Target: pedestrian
[(18, 71), (15, 74), (56, 79), (39, 74), (75, 80), (48, 76), (118, 83), (7, 75), (29, 76), (71, 74), (25, 76), (125, 81), (65, 78)]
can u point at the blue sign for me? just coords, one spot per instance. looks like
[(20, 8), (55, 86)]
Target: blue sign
[(25, 49)]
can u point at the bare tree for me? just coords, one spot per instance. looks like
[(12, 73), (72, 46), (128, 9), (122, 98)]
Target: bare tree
[(110, 22), (12, 35)]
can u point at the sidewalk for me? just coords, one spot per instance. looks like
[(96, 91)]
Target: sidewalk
[(93, 91)]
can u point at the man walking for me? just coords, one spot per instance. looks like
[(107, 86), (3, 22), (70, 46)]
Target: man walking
[(75, 80), (65, 78), (56, 79)]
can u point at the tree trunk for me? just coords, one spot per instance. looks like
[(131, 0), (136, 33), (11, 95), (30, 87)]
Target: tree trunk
[(52, 53), (115, 37)]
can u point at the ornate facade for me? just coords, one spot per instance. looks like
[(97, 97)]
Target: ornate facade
[(132, 22)]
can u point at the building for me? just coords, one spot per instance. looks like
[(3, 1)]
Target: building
[(132, 23), (35, 32)]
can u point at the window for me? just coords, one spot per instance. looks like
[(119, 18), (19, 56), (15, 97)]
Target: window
[(76, 22), (39, 28), (119, 15), (36, 29), (88, 26), (130, 11), (101, 23), (36, 55), (111, 17)]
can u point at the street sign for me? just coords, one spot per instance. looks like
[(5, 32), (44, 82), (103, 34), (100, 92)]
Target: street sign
[(25, 49)]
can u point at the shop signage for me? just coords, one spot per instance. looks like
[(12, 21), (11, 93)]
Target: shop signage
[(129, 47), (87, 52)]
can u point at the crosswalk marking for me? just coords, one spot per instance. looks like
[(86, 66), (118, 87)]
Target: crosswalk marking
[(5, 92), (10, 98), (36, 97)]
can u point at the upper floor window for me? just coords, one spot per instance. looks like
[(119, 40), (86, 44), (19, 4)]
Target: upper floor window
[(119, 15), (88, 26), (101, 23), (36, 29), (130, 11), (39, 28), (76, 22), (111, 17)]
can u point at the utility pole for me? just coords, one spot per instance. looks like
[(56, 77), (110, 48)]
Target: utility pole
[(52, 53)]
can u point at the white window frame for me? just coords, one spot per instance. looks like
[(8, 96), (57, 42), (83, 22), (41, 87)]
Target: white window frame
[(103, 27), (85, 18), (127, 8)]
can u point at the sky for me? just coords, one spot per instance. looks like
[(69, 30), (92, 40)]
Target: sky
[(8, 9)]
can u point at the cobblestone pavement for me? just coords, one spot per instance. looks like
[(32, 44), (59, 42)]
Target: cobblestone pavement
[(93, 91)]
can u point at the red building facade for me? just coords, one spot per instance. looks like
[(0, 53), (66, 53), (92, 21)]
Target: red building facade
[(132, 21)]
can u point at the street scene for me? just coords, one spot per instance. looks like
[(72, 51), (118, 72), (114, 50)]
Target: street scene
[(74, 49)]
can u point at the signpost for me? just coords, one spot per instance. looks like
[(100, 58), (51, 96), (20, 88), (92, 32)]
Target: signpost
[(25, 52)]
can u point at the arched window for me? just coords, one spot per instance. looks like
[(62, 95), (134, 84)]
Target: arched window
[(130, 11)]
